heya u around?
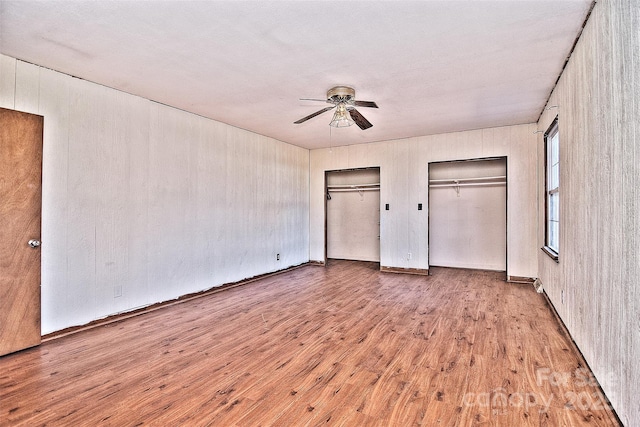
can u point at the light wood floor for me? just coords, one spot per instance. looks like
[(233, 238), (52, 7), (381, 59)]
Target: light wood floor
[(341, 345)]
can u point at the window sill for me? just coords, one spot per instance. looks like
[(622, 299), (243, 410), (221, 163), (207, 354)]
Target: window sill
[(552, 254)]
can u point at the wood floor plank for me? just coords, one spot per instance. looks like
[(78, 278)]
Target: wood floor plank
[(340, 345)]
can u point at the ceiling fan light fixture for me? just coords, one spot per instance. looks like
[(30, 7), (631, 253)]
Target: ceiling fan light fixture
[(341, 118), (343, 100)]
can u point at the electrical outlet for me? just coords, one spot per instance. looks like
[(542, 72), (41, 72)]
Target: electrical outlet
[(562, 296), (277, 257), (117, 291), (409, 256)]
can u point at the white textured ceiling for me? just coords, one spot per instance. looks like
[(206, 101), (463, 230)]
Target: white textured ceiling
[(431, 66)]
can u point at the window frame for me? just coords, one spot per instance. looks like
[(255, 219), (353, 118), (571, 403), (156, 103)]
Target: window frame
[(552, 136)]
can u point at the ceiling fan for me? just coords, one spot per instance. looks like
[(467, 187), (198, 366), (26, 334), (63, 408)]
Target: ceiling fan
[(343, 99)]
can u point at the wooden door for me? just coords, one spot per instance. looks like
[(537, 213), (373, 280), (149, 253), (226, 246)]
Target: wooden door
[(20, 212)]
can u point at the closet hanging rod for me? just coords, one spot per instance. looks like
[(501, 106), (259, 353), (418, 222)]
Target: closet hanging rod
[(347, 190), (353, 186), (486, 178), (470, 184)]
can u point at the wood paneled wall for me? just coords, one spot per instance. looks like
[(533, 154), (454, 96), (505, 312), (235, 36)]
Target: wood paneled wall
[(404, 166), (595, 285), (150, 202)]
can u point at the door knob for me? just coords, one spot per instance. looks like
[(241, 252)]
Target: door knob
[(34, 243)]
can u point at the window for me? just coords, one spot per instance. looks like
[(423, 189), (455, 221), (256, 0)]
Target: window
[(552, 190)]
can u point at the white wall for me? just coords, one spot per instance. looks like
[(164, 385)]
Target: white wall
[(151, 200), (404, 183), (598, 99)]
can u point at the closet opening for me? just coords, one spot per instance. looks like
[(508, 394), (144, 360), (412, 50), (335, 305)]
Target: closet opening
[(468, 214), (352, 214)]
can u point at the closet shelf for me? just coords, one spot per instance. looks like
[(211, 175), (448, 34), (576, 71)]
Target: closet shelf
[(468, 182), (353, 187), (454, 180)]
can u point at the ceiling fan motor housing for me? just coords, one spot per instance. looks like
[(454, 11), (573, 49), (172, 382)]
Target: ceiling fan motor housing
[(341, 94)]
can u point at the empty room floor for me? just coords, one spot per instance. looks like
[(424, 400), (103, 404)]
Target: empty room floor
[(338, 345)]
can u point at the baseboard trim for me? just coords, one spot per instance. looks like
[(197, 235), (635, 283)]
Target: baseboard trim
[(520, 279), (417, 271), (318, 263), (157, 306)]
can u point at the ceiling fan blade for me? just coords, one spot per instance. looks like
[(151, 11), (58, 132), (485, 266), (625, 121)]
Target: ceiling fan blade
[(359, 119), (369, 104), (311, 116), (313, 99)]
